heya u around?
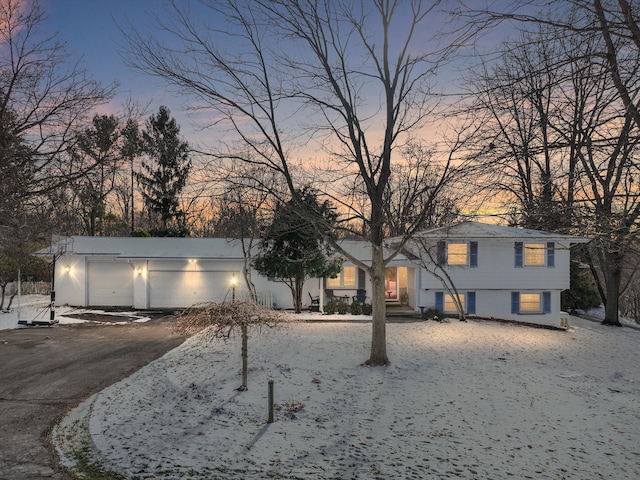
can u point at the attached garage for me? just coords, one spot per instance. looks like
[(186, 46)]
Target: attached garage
[(171, 289), (109, 284)]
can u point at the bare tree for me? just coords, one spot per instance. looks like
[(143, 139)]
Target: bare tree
[(565, 137), (244, 210), (351, 79), (222, 320), (43, 98)]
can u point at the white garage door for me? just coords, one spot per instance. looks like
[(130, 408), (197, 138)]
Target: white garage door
[(110, 284), (169, 289)]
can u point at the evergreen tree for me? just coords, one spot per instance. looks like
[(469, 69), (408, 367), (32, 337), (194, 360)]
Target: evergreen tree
[(293, 250), (165, 173)]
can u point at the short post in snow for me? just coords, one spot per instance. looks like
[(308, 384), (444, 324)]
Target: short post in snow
[(270, 420)]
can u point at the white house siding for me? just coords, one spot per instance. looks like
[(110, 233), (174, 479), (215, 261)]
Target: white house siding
[(497, 304), (71, 285), (496, 276), (496, 269)]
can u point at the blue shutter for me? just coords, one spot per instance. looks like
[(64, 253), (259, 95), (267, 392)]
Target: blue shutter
[(551, 254), (518, 251), (473, 254), (546, 302), (440, 301), (441, 254), (471, 303), (515, 302)]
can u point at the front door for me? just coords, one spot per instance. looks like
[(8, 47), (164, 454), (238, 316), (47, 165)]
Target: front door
[(391, 284)]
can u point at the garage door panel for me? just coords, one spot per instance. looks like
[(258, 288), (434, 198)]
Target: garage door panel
[(110, 284), (182, 289)]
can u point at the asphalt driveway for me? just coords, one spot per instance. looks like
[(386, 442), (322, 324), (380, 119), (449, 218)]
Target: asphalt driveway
[(46, 371)]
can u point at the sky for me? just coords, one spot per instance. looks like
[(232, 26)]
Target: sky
[(91, 30)]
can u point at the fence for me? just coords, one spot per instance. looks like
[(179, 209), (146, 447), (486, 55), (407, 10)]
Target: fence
[(265, 298), (29, 288)]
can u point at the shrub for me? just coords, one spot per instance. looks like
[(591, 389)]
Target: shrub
[(367, 309), (330, 307), (342, 307), (434, 314), (356, 308)]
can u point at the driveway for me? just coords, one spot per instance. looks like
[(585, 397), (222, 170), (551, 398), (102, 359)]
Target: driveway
[(46, 371)]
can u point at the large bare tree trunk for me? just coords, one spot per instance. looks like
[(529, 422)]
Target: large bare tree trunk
[(613, 277), (378, 354)]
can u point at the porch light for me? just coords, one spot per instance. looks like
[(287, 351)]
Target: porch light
[(234, 281), (139, 270), (67, 268)]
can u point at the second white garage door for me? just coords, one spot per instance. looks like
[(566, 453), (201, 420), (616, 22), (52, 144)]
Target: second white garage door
[(171, 289)]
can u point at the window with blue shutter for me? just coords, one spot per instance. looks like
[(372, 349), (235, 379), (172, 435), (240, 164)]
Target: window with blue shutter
[(551, 255), (546, 302), (518, 247), (515, 302), (440, 301), (471, 303), (473, 254)]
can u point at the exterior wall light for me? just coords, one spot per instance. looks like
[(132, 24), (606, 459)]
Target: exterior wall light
[(67, 268), (234, 282), (139, 270)]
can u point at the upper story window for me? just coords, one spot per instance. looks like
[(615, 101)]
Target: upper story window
[(347, 277), (458, 253), (534, 254)]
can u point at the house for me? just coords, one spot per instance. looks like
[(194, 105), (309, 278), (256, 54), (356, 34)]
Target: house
[(499, 272)]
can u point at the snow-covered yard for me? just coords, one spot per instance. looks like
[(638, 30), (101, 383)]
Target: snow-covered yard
[(460, 400), (36, 307)]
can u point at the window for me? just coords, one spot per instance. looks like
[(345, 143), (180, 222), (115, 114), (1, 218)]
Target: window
[(444, 302), (456, 253), (534, 254), (449, 304), (531, 302), (348, 277)]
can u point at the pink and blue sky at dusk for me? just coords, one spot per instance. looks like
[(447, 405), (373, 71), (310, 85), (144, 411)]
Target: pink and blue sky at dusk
[(92, 32)]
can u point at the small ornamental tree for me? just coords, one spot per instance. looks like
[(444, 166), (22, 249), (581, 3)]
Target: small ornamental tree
[(293, 249), (222, 320)]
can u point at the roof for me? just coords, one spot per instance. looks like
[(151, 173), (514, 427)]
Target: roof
[(148, 247), (470, 229), (223, 248)]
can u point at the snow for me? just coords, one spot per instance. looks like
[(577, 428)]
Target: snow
[(460, 400), (36, 307)]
